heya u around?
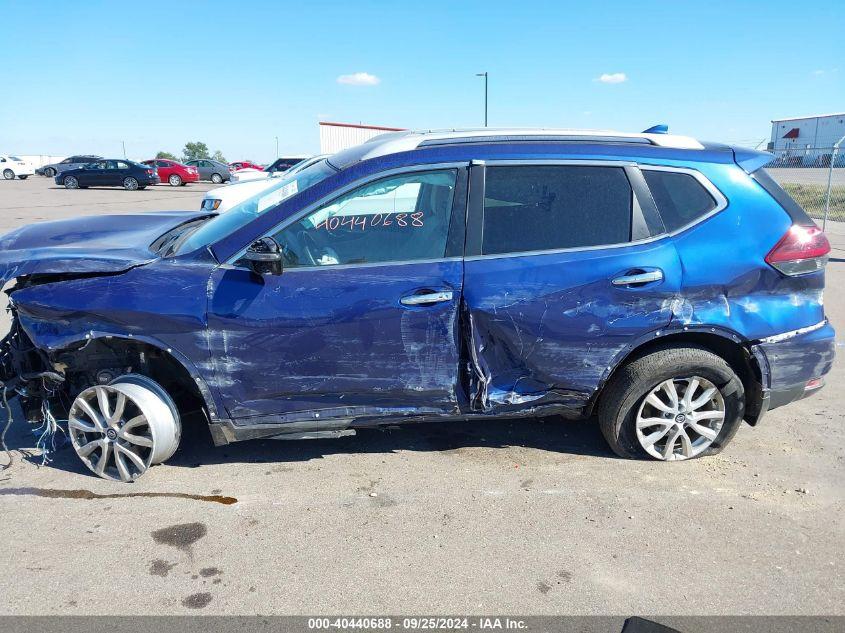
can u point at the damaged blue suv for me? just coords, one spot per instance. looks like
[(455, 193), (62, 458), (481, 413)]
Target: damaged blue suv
[(665, 286)]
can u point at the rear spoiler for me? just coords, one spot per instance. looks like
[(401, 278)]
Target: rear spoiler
[(750, 159)]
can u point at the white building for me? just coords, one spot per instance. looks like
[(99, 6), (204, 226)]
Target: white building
[(335, 137), (807, 140)]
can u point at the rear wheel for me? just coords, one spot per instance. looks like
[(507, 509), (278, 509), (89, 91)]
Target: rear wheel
[(672, 404), (175, 180), (216, 179), (8, 174), (24, 177), (71, 182), (130, 183), (50, 172), (121, 429)]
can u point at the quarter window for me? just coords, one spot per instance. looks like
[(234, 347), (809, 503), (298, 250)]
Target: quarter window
[(680, 197), (403, 218), (547, 207)]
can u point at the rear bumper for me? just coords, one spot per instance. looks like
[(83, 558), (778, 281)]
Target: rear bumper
[(791, 360)]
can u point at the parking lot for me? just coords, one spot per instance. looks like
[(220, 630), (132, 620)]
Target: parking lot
[(524, 516)]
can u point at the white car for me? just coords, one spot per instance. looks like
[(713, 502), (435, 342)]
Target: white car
[(11, 166), (279, 166), (224, 198)]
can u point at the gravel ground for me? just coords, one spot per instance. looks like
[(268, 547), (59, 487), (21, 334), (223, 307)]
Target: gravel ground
[(528, 516)]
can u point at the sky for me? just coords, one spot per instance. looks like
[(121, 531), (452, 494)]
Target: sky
[(88, 76)]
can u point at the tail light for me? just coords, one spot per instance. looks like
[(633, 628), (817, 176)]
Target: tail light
[(802, 250), (150, 172)]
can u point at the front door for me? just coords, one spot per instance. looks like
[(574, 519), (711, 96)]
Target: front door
[(363, 322), (561, 277)]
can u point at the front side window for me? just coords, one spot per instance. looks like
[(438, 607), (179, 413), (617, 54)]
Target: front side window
[(680, 197), (100, 165), (547, 207), (14, 158), (401, 218)]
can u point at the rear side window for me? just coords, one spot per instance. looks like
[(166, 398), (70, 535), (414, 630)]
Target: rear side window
[(680, 197), (547, 207)]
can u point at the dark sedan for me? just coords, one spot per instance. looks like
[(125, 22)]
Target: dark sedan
[(109, 173)]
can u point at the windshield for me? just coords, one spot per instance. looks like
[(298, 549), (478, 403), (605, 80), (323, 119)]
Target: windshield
[(243, 213), (14, 158)]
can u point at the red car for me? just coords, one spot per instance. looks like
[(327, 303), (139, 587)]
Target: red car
[(245, 164), (175, 173)]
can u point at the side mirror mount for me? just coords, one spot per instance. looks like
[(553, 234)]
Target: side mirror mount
[(264, 257)]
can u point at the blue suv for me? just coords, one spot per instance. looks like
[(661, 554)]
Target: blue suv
[(665, 286)]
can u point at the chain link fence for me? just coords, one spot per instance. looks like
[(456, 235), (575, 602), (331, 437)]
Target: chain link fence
[(814, 177)]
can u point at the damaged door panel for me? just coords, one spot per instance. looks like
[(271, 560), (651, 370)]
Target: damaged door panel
[(364, 320), (554, 296)]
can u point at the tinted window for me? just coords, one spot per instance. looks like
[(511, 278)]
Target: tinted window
[(402, 218), (544, 207), (122, 165), (680, 198)]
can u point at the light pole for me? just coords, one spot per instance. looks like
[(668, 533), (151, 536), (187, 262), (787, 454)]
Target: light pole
[(484, 74), (277, 147), (124, 148)]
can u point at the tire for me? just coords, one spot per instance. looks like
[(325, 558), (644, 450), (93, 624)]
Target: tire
[(216, 178), (8, 174), (175, 180), (130, 183), (626, 411), (50, 172), (142, 187), (120, 444), (24, 177), (70, 182)]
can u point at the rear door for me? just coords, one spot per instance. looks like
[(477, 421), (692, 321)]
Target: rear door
[(561, 275), (364, 319)]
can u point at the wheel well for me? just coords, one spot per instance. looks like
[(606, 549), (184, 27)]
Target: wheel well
[(734, 353), (102, 360)]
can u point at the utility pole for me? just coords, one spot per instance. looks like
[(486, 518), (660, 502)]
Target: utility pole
[(277, 147), (484, 74), (124, 148)]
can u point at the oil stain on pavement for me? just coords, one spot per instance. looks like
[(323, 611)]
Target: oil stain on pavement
[(55, 493)]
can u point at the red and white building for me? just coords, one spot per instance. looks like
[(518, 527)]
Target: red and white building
[(335, 137)]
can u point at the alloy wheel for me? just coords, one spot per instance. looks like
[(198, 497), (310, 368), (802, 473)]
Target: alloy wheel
[(71, 182), (130, 184), (174, 180), (680, 418), (8, 174), (216, 179), (121, 429)]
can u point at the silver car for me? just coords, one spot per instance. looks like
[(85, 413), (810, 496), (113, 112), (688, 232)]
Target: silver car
[(71, 162), (212, 170)]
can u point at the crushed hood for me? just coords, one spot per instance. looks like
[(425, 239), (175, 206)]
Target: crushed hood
[(93, 244)]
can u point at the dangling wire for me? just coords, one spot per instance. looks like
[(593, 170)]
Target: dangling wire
[(6, 428)]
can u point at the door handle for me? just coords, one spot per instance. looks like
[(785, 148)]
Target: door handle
[(426, 298), (638, 278)]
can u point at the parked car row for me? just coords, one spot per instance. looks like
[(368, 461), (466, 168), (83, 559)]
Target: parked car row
[(109, 173)]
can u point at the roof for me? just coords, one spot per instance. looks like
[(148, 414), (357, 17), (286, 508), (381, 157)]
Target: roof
[(394, 142), (811, 116), (361, 126)]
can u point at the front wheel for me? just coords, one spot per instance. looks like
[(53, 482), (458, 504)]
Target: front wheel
[(24, 177), (216, 179), (121, 429), (50, 172), (175, 180), (672, 404), (8, 174), (71, 182), (130, 184)]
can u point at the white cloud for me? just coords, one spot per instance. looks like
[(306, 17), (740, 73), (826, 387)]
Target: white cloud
[(359, 79), (612, 78), (818, 72)]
